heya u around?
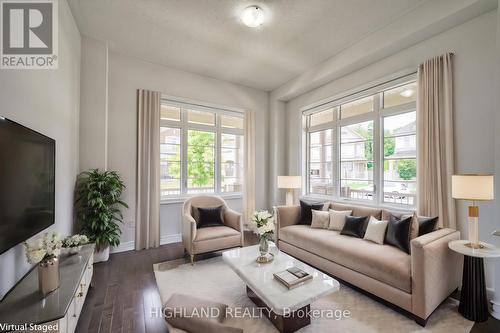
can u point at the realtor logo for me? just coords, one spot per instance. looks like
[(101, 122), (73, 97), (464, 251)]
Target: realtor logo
[(29, 34)]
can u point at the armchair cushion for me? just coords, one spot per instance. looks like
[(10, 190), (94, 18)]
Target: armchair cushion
[(204, 234), (210, 217)]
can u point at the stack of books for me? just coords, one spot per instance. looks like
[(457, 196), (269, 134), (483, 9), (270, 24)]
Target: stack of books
[(292, 277)]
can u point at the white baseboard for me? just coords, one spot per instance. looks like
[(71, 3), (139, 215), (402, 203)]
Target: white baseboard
[(128, 246), (169, 239), (495, 310)]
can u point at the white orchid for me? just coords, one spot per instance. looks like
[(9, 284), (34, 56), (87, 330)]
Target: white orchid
[(43, 249), (74, 241)]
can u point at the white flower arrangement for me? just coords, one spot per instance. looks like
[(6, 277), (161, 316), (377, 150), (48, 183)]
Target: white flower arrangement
[(262, 223), (74, 241), (43, 249)]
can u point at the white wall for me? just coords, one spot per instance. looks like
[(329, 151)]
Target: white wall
[(125, 76), (48, 102), (474, 45)]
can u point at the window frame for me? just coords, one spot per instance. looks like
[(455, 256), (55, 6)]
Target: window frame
[(184, 126), (377, 116)]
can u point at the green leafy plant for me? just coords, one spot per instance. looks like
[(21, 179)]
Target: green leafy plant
[(407, 169), (98, 203)]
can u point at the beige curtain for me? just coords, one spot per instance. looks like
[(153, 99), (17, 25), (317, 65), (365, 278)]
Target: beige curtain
[(249, 184), (147, 227), (435, 149)]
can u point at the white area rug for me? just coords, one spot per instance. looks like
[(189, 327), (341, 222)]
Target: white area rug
[(212, 280)]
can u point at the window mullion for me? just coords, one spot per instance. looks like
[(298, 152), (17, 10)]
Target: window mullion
[(378, 147), (218, 143), (184, 149)]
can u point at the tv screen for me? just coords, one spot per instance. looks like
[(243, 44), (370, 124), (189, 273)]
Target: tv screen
[(27, 183)]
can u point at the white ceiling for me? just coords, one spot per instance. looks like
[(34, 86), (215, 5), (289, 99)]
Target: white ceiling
[(206, 36)]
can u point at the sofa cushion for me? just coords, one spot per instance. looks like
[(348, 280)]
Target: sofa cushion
[(398, 232), (426, 224), (355, 226), (306, 211), (386, 215), (320, 219), (358, 210), (375, 231), (382, 262), (337, 218)]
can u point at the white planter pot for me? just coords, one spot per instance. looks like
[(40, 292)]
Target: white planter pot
[(100, 256)]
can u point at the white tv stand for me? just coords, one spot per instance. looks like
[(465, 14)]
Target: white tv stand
[(59, 311)]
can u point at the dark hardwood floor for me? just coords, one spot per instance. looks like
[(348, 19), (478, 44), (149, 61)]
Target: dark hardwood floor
[(124, 291)]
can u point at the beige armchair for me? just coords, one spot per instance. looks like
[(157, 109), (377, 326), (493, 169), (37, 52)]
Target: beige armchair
[(209, 239)]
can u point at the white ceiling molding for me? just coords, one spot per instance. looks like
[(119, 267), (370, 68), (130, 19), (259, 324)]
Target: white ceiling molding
[(420, 24)]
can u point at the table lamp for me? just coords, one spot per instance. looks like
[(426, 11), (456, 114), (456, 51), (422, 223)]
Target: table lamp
[(289, 183), (473, 187)]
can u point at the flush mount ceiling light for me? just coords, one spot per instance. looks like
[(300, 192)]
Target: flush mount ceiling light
[(407, 93), (252, 16)]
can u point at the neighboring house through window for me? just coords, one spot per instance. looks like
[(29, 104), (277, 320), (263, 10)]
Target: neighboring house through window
[(363, 147), (201, 150)]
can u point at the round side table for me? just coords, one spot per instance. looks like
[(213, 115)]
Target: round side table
[(473, 298)]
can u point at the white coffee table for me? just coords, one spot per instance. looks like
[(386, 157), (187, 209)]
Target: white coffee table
[(289, 309)]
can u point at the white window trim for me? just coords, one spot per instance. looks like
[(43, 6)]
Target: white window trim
[(184, 127), (376, 116)]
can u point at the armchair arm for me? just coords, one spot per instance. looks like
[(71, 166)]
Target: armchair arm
[(285, 216), (234, 220), (435, 269), (188, 232)]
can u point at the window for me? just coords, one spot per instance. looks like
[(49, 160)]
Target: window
[(356, 161), (201, 150), (363, 147)]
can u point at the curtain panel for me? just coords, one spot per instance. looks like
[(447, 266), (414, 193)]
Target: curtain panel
[(435, 140), (147, 228), (249, 184)]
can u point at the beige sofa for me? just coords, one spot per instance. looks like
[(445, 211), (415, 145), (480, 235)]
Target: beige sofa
[(203, 240), (416, 282)]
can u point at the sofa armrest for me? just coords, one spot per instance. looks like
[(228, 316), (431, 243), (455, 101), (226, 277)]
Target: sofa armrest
[(436, 270), (285, 216), (188, 232)]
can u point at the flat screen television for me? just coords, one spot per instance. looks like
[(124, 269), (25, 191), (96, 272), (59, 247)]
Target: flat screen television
[(27, 183)]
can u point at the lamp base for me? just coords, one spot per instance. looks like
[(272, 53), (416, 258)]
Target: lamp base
[(289, 197)]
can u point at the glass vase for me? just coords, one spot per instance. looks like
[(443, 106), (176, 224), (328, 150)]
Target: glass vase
[(263, 246)]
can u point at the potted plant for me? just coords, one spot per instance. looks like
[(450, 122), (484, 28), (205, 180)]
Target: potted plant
[(45, 251), (73, 244), (98, 204)]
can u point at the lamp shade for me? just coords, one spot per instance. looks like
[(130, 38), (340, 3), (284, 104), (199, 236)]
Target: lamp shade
[(289, 182), (472, 187)]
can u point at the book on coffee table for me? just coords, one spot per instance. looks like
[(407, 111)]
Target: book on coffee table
[(292, 277)]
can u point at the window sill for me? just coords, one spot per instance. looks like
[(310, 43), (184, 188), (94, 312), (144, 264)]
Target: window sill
[(181, 199), (395, 207)]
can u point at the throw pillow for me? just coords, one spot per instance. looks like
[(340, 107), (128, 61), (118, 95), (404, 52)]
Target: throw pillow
[(320, 219), (354, 226), (427, 224), (305, 211), (337, 218), (375, 231), (210, 217), (398, 232)]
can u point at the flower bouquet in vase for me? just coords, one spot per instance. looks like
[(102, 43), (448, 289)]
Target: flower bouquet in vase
[(262, 223), (45, 252), (73, 244)]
